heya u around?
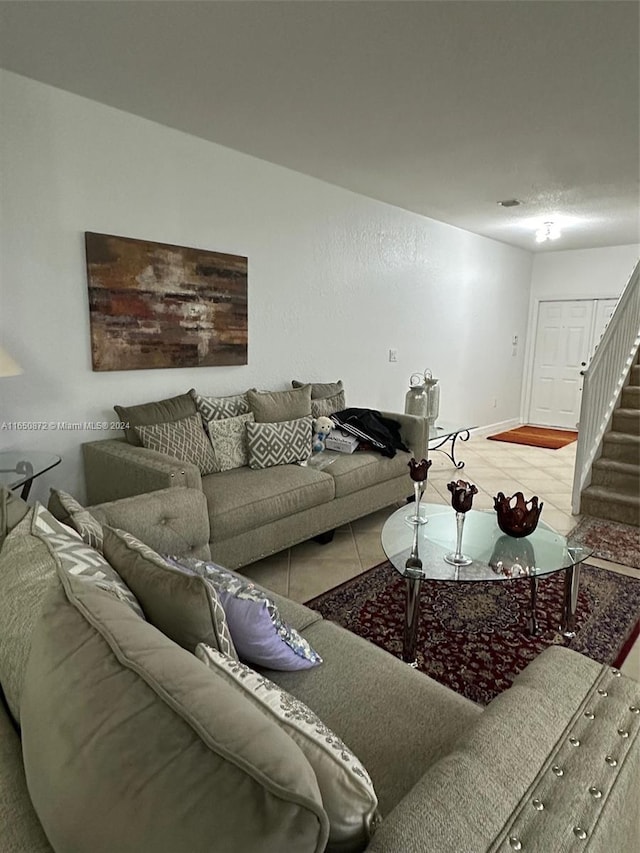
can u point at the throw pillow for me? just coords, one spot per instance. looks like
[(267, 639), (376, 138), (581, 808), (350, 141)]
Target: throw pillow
[(130, 744), (229, 441), (80, 519), (347, 791), (184, 607), (161, 411), (259, 634), (277, 406), (322, 407), (79, 559), (279, 443), (184, 439), (320, 389), (216, 408)]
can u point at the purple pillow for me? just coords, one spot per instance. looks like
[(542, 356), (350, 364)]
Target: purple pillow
[(259, 634)]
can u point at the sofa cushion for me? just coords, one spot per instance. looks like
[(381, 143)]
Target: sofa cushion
[(279, 443), (184, 439), (320, 389), (347, 792), (182, 606), (229, 441), (158, 412), (131, 744), (245, 498), (356, 471), (274, 406), (215, 408), (76, 516), (259, 633)]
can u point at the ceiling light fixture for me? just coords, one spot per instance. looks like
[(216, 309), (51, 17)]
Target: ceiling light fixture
[(548, 231)]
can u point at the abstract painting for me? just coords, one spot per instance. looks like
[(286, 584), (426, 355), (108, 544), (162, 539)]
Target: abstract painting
[(156, 305)]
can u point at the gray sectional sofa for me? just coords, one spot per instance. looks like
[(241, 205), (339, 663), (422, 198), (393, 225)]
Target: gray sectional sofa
[(551, 764), (255, 513)]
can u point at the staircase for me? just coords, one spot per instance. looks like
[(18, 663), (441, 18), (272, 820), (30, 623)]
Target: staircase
[(614, 492)]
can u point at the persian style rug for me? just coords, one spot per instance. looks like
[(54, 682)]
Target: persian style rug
[(552, 439), (473, 637), (619, 543)]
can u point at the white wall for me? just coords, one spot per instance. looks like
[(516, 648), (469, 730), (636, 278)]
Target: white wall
[(335, 279), (583, 273)]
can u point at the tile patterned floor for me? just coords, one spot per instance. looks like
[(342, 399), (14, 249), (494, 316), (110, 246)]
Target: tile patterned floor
[(309, 569)]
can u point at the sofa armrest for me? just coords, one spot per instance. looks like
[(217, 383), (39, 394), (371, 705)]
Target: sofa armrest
[(550, 764), (114, 469), (414, 430)]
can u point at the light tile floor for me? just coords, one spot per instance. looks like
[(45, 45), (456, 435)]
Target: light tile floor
[(308, 569)]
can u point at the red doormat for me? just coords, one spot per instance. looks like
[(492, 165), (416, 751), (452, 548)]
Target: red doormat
[(473, 637), (534, 436)]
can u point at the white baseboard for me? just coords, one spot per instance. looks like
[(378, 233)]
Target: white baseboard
[(500, 426)]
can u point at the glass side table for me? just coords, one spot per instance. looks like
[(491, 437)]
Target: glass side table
[(19, 468)]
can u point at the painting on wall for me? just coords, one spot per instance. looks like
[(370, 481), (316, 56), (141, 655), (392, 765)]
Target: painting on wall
[(156, 305)]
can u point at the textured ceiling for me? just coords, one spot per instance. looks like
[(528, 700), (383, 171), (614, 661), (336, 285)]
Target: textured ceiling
[(440, 107)]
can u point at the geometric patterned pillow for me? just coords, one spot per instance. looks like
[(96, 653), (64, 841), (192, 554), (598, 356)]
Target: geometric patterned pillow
[(346, 788), (229, 439), (80, 559), (322, 407), (184, 439), (279, 443), (80, 519), (216, 408)]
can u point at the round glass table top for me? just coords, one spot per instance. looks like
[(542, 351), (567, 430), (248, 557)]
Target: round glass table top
[(493, 554), (19, 466)]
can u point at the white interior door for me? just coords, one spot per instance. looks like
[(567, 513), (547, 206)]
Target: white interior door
[(604, 310), (564, 335)]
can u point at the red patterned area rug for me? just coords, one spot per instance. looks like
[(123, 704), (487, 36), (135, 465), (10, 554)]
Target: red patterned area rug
[(473, 637), (618, 543)]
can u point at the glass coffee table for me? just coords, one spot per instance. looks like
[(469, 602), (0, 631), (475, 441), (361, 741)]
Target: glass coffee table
[(21, 467), (417, 551), (443, 434)]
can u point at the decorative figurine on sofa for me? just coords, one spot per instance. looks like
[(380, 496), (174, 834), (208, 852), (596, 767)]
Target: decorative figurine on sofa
[(321, 429)]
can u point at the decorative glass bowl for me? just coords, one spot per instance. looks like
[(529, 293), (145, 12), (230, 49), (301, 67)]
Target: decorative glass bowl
[(517, 517)]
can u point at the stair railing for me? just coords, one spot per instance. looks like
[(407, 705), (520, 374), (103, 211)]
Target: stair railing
[(603, 381)]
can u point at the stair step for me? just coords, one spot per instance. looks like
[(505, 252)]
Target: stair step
[(601, 502), (630, 397), (634, 375), (620, 476), (622, 447), (627, 421)]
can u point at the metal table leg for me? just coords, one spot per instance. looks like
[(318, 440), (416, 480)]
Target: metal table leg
[(463, 435), (570, 604), (533, 620), (411, 618)]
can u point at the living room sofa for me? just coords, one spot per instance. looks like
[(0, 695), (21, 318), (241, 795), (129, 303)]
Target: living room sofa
[(551, 764), (255, 513)]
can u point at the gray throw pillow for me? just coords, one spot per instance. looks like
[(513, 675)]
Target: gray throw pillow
[(184, 439), (160, 411), (320, 389), (216, 408), (322, 407), (79, 518), (279, 443), (229, 441), (182, 606), (278, 406)]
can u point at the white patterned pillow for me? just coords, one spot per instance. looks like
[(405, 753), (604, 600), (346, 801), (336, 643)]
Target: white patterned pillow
[(322, 407), (279, 443), (79, 559), (184, 439), (218, 408), (347, 791), (80, 519), (229, 440)]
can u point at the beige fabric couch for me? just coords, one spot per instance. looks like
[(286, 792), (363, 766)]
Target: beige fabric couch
[(551, 764), (255, 513)]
